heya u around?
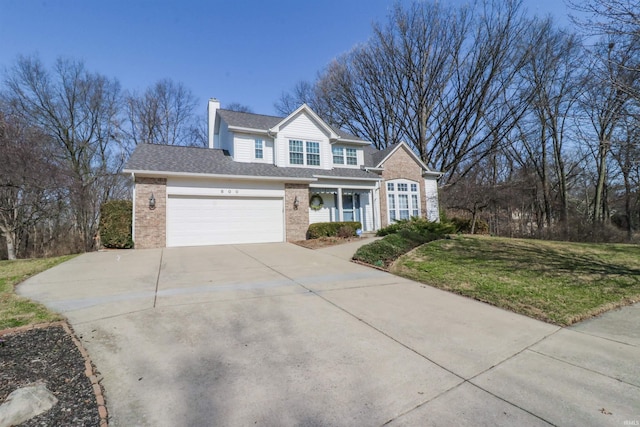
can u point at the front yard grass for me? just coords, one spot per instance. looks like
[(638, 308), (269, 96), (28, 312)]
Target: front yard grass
[(15, 310), (557, 282)]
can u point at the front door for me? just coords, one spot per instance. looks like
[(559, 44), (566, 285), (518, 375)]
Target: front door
[(350, 208), (347, 207)]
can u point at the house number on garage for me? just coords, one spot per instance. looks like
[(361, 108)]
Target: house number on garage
[(228, 191)]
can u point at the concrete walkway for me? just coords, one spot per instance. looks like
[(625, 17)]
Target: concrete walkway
[(276, 334)]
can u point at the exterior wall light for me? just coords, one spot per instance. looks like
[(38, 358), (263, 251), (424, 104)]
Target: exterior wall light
[(296, 203), (152, 202)]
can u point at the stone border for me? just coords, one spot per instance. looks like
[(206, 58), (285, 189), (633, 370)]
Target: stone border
[(89, 371)]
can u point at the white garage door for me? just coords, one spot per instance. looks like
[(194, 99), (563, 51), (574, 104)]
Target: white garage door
[(197, 221)]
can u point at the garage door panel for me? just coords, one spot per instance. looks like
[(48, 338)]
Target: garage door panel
[(194, 221)]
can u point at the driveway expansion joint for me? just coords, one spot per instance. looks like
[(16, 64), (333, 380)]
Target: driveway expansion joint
[(569, 328), (155, 297), (584, 368)]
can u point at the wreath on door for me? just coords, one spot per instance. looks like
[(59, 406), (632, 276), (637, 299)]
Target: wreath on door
[(316, 203)]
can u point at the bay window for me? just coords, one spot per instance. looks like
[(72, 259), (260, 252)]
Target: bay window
[(403, 199)]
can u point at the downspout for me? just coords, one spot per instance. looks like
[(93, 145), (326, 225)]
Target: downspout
[(275, 146), (133, 210)]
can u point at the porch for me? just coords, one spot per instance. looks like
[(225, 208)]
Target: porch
[(341, 203)]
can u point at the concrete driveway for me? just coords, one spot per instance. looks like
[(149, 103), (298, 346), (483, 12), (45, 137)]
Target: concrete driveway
[(276, 334)]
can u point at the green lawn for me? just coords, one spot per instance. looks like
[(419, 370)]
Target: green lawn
[(558, 282), (18, 311)]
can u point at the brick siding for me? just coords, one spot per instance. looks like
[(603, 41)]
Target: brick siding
[(296, 220), (401, 165), (150, 224)]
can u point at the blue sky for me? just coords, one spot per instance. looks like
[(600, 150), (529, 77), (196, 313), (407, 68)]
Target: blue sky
[(235, 50)]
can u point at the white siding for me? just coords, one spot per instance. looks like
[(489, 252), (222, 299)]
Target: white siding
[(245, 148), (433, 207), (327, 213), (268, 151), (304, 128), (225, 138), (367, 211)]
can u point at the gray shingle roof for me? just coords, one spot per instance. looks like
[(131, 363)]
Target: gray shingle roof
[(249, 120), (373, 156), (263, 122), (179, 159)]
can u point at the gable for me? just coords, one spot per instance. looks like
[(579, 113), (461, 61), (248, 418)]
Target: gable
[(401, 164), (304, 126)]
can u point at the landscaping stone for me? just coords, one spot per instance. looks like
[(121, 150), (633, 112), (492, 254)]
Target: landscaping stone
[(25, 403)]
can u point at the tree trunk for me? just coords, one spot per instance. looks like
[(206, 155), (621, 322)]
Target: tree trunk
[(598, 201), (11, 242)]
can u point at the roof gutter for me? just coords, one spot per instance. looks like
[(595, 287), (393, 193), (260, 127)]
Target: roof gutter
[(433, 173), (221, 176), (249, 130), (347, 178)]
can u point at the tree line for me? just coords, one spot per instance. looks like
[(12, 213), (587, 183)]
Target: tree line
[(65, 133), (534, 126)]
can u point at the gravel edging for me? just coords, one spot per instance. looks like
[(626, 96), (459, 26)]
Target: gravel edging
[(46, 353)]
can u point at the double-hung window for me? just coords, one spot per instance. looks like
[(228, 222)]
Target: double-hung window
[(296, 152), (343, 156), (304, 152), (313, 153), (403, 199), (352, 156), (259, 149), (338, 155)]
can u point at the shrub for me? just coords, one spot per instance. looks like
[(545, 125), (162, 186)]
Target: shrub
[(115, 224), (463, 225), (400, 238), (333, 229), (419, 225)]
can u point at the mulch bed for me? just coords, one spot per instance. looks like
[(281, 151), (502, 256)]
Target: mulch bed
[(324, 242), (53, 356)]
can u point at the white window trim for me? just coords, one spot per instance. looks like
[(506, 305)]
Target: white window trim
[(344, 157), (255, 149), (395, 193), (305, 153)]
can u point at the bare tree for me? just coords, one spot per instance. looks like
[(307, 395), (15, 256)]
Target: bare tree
[(435, 77), (163, 114), (608, 17), (390, 88), (625, 152), (604, 104), (78, 111), (241, 108), (555, 75), (29, 181)]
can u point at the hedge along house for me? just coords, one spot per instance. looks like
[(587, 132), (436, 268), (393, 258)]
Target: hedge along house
[(265, 179)]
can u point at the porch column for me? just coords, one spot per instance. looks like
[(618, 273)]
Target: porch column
[(372, 206), (339, 204)]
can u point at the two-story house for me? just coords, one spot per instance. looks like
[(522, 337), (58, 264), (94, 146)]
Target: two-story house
[(266, 178)]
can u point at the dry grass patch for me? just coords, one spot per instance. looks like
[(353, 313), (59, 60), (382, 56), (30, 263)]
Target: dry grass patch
[(557, 282)]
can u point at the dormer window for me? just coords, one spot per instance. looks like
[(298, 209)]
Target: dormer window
[(304, 152), (341, 153), (259, 149), (352, 156), (338, 155)]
